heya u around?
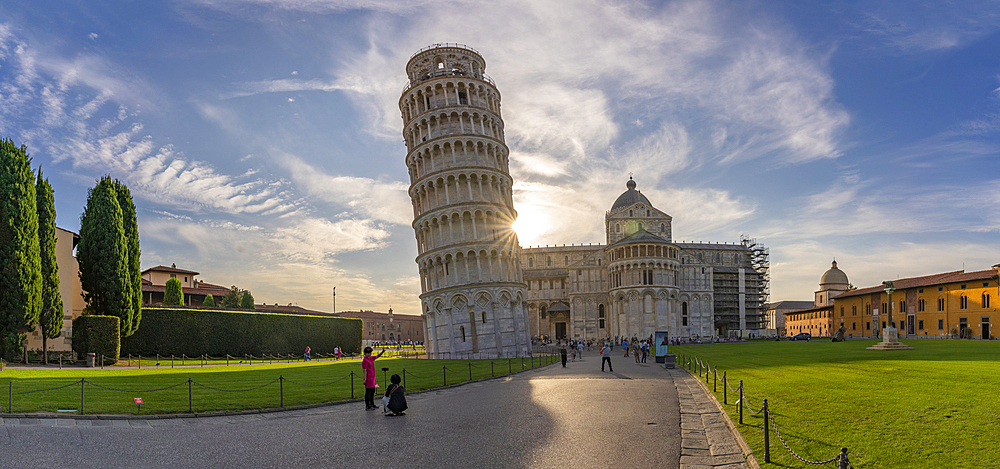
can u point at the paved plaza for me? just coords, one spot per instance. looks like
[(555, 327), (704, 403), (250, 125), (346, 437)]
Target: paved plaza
[(639, 416)]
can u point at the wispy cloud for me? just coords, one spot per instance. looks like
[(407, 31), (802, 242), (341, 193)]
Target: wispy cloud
[(920, 26)]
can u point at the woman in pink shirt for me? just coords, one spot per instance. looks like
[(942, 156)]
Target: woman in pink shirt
[(368, 364)]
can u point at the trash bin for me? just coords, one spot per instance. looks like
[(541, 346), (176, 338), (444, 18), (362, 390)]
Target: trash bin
[(670, 360), (91, 358)]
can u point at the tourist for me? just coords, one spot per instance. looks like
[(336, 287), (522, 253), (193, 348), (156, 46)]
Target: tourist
[(368, 365), (635, 351), (579, 347), (307, 355), (645, 350), (396, 395), (336, 351), (606, 357)]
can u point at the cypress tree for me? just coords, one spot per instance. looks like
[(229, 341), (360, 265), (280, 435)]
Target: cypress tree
[(247, 301), (102, 255), (51, 319), (20, 263), (133, 275), (209, 301), (172, 293)]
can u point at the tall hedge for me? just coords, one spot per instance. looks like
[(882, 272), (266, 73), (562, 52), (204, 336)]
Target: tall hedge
[(133, 274), (99, 335), (51, 319), (217, 333), (103, 256)]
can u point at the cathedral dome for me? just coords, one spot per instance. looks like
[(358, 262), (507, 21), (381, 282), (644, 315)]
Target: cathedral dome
[(629, 197), (834, 276)]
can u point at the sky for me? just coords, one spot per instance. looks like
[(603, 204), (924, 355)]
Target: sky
[(261, 139)]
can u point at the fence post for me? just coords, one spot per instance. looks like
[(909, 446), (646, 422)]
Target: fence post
[(157, 360), (139, 362), (725, 388), (844, 462), (444, 373), (83, 385), (404, 378), (492, 373), (708, 369), (352, 385), (741, 402), (10, 398), (470, 371), (171, 360), (102, 361), (190, 400), (227, 359), (715, 380), (281, 389), (509, 369), (767, 441)]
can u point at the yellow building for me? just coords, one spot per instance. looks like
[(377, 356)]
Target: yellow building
[(951, 304), (70, 291), (816, 321)]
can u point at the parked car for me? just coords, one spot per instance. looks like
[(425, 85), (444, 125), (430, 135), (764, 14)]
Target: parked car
[(802, 336)]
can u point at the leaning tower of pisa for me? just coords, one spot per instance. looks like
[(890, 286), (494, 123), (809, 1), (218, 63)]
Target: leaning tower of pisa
[(472, 291)]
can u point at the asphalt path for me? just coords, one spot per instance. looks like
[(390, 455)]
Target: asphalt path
[(550, 417)]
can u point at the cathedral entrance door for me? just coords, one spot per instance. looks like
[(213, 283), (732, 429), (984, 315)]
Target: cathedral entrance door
[(560, 330)]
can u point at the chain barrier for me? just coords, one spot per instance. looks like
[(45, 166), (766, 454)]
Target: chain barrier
[(74, 383), (841, 459), (324, 384), (90, 383), (275, 380)]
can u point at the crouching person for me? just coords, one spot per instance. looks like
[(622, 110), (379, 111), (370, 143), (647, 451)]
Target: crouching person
[(396, 395)]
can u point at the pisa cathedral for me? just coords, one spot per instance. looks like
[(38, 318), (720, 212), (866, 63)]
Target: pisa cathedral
[(482, 295)]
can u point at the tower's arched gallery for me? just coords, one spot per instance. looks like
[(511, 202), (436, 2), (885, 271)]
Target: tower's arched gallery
[(460, 186), (483, 294)]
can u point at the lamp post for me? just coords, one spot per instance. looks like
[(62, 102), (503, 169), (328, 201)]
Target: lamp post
[(890, 336)]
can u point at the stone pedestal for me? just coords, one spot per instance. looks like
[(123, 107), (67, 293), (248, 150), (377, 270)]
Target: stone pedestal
[(890, 341)]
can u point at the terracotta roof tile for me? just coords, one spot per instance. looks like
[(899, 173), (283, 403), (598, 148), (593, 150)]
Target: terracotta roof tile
[(925, 281)]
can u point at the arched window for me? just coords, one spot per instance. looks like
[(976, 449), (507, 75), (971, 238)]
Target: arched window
[(600, 311), (963, 302), (663, 227), (684, 313), (548, 260), (640, 226), (986, 300), (531, 262), (647, 213), (630, 213), (541, 312)]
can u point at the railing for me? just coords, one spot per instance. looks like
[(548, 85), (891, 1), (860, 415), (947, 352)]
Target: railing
[(445, 44), (698, 367), (448, 73), (458, 375)]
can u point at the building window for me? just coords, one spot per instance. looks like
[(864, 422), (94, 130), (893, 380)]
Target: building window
[(920, 324), (663, 227), (841, 311), (963, 286), (854, 310), (963, 302), (548, 260), (868, 310), (173, 275), (902, 306), (531, 262), (854, 326), (986, 284), (940, 288), (920, 304), (684, 313), (986, 300), (868, 326), (940, 324), (940, 304), (600, 311), (601, 324), (542, 312), (566, 260), (630, 213), (920, 291)]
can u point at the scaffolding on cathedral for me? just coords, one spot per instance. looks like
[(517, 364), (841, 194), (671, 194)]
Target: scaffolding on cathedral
[(760, 261)]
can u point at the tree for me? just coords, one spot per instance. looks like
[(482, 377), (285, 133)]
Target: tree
[(232, 298), (103, 256), (20, 263), (209, 301), (134, 274), (247, 301), (51, 318), (173, 294)]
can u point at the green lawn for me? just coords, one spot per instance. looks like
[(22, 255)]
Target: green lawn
[(304, 383), (935, 406)]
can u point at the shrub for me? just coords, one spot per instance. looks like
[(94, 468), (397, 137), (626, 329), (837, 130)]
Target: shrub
[(209, 301), (170, 331), (247, 301), (98, 335)]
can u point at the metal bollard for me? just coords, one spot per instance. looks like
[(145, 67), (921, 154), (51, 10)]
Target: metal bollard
[(741, 402), (470, 371), (509, 369), (281, 389), (404, 377), (444, 373), (139, 362), (352, 385), (715, 379), (844, 462), (83, 385), (492, 373), (190, 400), (767, 441), (725, 388)]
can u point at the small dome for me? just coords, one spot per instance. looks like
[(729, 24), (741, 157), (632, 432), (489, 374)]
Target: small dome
[(834, 276), (629, 197)]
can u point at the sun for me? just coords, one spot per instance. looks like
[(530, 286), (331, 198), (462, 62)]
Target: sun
[(530, 226)]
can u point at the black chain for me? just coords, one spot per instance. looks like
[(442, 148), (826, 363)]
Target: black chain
[(236, 390), (134, 391), (74, 383), (800, 458)]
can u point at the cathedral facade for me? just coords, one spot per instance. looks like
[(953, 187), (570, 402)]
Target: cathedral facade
[(640, 281)]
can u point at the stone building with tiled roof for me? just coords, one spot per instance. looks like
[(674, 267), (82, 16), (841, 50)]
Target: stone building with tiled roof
[(154, 281), (950, 304)]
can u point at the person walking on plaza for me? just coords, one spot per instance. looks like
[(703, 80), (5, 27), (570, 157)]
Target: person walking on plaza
[(606, 357), (308, 354), (579, 349), (625, 346), (368, 365), (635, 351)]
